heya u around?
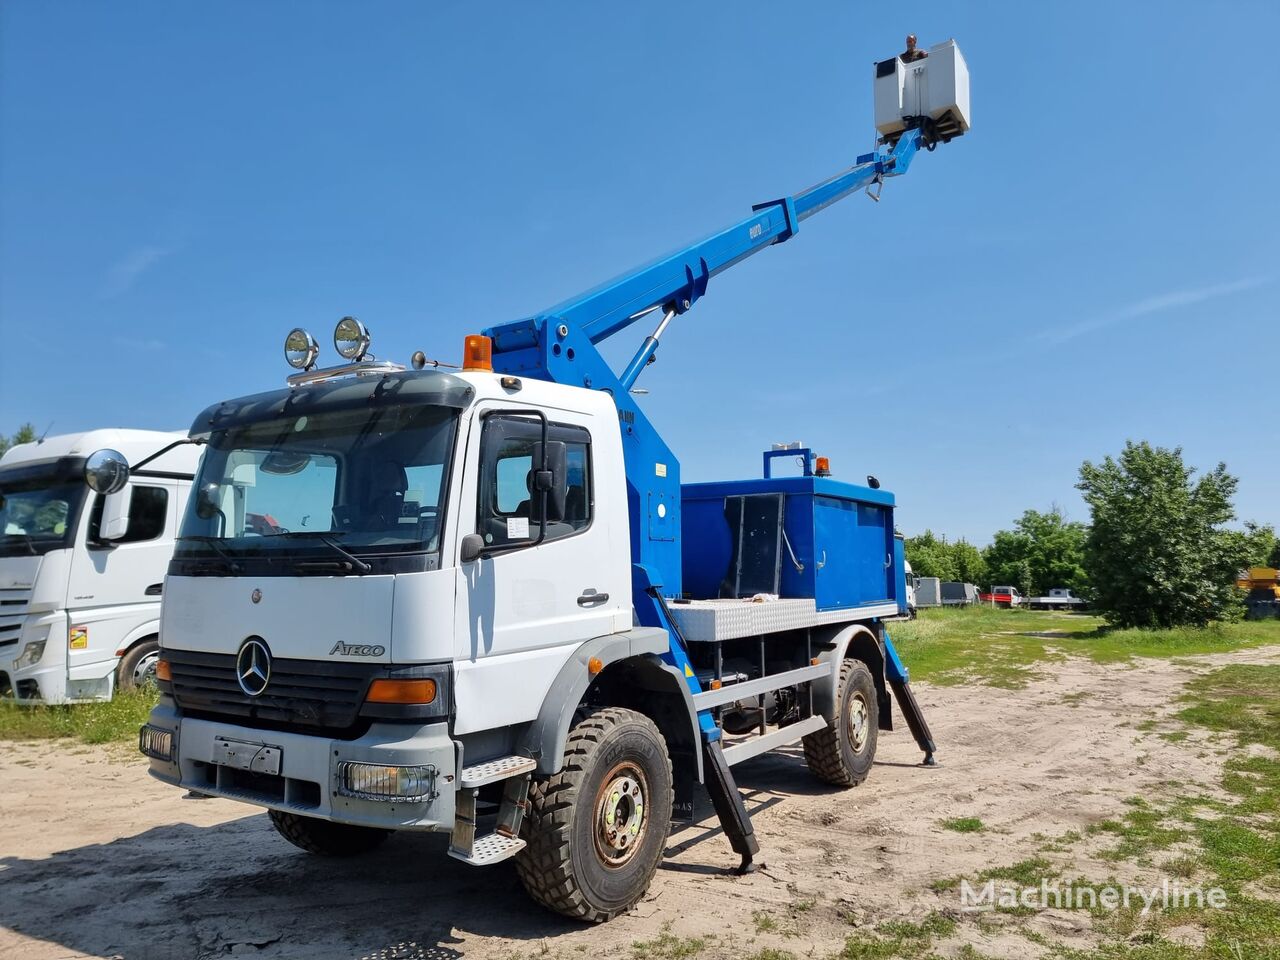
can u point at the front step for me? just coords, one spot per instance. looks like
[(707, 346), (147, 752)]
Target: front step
[(491, 848), (505, 842), (492, 771)]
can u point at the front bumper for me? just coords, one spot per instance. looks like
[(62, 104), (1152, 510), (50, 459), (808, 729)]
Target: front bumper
[(44, 681), (307, 783)]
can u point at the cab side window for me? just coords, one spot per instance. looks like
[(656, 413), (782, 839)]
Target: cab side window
[(509, 510), (147, 509)]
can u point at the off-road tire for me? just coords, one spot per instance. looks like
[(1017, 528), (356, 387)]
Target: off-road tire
[(324, 837), (125, 679), (561, 867), (830, 752)]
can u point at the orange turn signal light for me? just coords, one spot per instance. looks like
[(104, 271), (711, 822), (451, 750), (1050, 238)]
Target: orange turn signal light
[(477, 353), (387, 690), (163, 671), (595, 665)]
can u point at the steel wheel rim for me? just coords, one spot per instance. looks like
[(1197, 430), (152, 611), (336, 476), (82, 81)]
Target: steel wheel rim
[(858, 723), (144, 674), (621, 814)]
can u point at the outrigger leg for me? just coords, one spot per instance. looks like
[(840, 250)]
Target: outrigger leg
[(727, 801), (901, 686)]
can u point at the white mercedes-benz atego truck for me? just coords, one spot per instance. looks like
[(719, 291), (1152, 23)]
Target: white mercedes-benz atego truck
[(87, 523)]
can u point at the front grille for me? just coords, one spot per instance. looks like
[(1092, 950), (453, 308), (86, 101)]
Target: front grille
[(13, 610), (301, 694)]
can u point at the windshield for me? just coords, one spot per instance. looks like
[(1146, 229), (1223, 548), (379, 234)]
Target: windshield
[(38, 511), (326, 486)]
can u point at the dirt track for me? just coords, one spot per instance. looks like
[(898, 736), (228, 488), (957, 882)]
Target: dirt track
[(98, 860)]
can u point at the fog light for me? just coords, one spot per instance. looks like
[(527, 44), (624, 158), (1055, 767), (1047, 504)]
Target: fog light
[(155, 742), (372, 781), (30, 655)]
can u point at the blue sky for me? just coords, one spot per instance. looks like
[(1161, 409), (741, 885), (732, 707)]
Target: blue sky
[(1099, 260)]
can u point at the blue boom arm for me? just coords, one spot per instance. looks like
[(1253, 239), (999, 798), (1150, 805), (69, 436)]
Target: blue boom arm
[(559, 345)]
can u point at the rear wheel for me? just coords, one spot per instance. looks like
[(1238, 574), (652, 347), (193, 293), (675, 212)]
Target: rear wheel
[(597, 829), (138, 666), (324, 837), (842, 753)]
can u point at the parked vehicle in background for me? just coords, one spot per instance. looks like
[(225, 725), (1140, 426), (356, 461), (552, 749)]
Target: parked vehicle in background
[(928, 592), (1003, 597), (1262, 592), (1059, 598), (955, 594), (912, 601), (87, 523)]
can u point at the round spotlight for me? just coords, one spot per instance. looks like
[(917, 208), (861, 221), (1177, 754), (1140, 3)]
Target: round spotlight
[(351, 339), (300, 349)]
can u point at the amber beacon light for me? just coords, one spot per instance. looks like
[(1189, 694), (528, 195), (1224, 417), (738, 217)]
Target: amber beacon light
[(477, 353)]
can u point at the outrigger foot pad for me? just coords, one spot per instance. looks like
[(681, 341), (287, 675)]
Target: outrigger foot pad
[(929, 760), (729, 806)]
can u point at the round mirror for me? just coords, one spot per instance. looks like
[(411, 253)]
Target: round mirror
[(351, 339), (106, 471), (300, 349)]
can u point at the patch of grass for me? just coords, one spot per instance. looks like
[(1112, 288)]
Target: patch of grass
[(1002, 647), (667, 946), (769, 953), (764, 921), (963, 824), (116, 720), (898, 938)]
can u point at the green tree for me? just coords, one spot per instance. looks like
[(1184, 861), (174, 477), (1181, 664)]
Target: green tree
[(1042, 551), (930, 556), (26, 433), (1260, 544), (1156, 553), (1274, 560), (969, 562)]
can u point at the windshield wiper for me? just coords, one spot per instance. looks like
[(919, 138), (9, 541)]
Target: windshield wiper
[(216, 544), (28, 540), (327, 538)]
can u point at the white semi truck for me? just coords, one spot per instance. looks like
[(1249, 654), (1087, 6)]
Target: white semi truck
[(84, 544), (482, 602)]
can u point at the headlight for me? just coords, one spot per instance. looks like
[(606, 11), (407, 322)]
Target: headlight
[(155, 742), (30, 655), (300, 349), (374, 781), (351, 339)]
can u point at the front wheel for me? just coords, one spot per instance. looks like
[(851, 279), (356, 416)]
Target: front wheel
[(324, 837), (597, 829), (138, 666), (841, 754)]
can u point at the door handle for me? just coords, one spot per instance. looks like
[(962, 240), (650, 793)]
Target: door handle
[(590, 598)]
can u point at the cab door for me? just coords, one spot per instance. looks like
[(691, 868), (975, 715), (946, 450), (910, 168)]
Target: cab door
[(525, 606)]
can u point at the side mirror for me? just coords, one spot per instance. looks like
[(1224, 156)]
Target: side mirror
[(207, 497), (106, 471), (553, 478), (115, 515), (471, 548)]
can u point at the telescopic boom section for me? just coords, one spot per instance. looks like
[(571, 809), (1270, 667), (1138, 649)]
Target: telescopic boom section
[(559, 345)]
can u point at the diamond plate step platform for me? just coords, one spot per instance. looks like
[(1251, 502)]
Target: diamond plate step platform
[(494, 770), (491, 848)]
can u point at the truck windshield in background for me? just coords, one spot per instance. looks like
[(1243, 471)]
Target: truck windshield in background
[(39, 507), (322, 487)]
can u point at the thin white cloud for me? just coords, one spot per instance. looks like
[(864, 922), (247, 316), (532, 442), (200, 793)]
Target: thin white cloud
[(1157, 304), (125, 272)]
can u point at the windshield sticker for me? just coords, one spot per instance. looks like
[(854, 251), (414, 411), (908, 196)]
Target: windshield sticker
[(517, 528)]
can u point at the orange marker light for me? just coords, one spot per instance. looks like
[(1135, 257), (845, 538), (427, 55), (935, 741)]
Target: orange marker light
[(163, 671), (823, 468), (477, 354), (401, 691), (595, 665)]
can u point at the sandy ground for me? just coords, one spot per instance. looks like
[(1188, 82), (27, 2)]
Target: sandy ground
[(96, 859)]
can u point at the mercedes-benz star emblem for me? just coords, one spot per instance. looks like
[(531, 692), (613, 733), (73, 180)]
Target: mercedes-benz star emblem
[(256, 596), (253, 667)]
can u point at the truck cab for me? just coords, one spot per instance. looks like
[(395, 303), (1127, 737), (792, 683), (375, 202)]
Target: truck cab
[(81, 571)]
